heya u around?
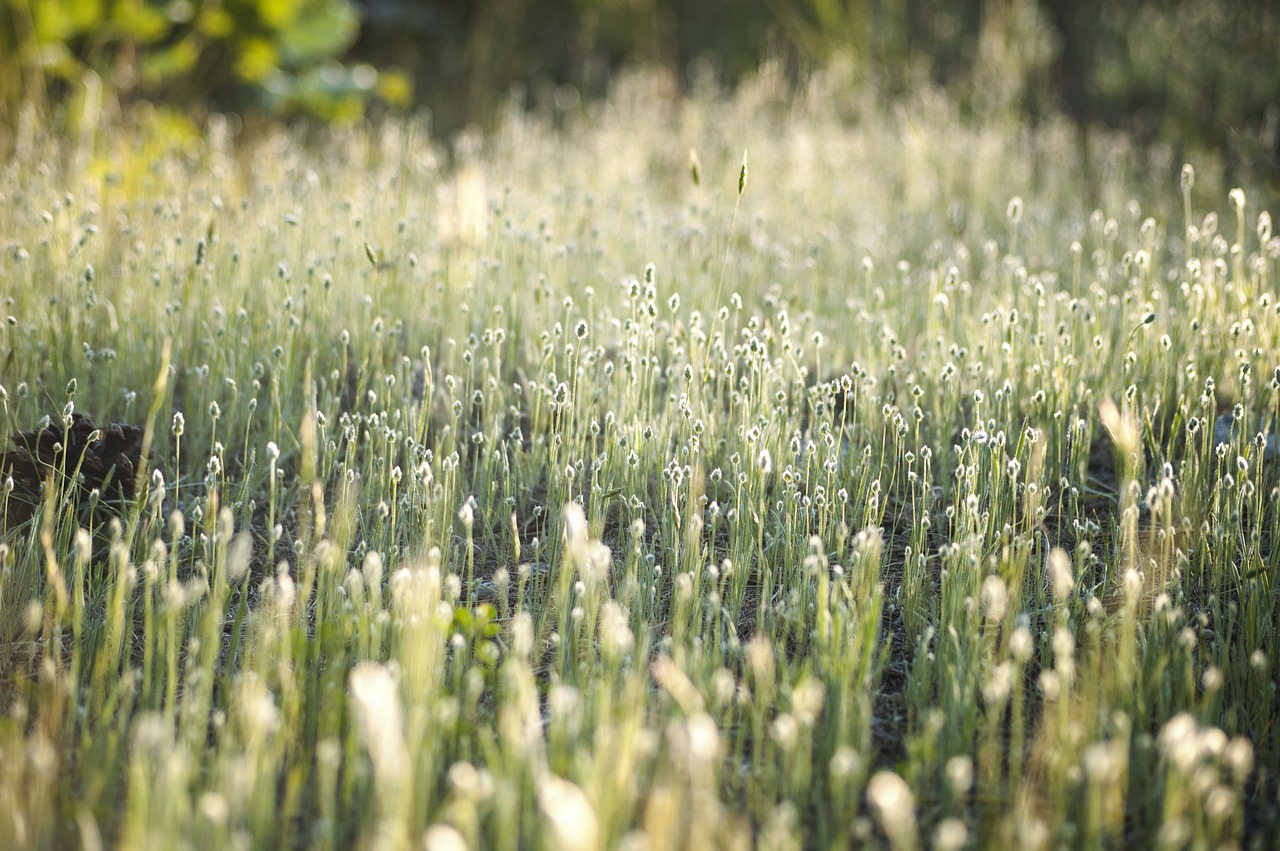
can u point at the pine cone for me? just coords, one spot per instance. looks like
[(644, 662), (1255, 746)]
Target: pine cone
[(106, 459)]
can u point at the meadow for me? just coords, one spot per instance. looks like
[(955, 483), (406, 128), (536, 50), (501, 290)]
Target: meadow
[(783, 470)]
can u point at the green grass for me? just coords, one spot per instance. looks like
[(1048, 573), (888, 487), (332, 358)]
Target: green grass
[(534, 494)]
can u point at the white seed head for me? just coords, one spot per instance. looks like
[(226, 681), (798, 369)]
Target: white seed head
[(1020, 644), (1239, 758), (443, 837), (1123, 428), (995, 691), (993, 596), (214, 808), (615, 629), (1061, 579), (1014, 211), (806, 700), (845, 762), (372, 570), (703, 738), (959, 772), (380, 717), (894, 807), (569, 811), (785, 731), (950, 834), (522, 636)]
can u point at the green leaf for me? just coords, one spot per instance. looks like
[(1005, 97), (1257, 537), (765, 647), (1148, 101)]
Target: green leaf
[(395, 87), (135, 22), (169, 62), (257, 60), (325, 30), (488, 654), (58, 21), (277, 14)]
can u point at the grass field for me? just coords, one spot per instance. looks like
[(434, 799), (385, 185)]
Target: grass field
[(783, 471)]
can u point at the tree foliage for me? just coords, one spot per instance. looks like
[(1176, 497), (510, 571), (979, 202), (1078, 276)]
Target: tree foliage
[(283, 56)]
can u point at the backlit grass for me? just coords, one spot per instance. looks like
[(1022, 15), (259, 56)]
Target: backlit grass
[(906, 480)]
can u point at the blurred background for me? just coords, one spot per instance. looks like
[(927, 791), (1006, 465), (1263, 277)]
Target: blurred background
[(1201, 76)]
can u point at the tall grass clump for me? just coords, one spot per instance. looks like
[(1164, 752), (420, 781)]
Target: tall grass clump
[(527, 492)]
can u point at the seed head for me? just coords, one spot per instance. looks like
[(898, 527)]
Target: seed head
[(443, 837), (379, 713), (569, 811), (1061, 579), (950, 834), (1014, 210), (994, 597), (894, 807)]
